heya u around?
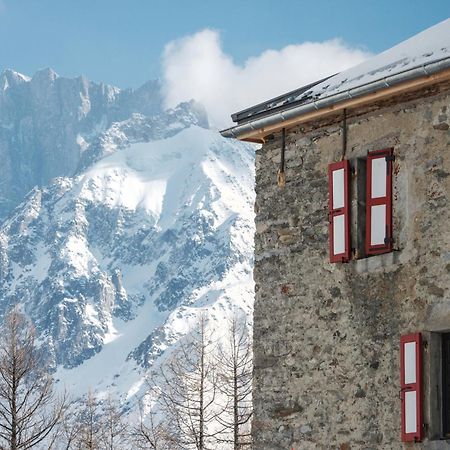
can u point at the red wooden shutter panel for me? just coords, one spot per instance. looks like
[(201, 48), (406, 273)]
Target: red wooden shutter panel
[(411, 387), (379, 202), (339, 211)]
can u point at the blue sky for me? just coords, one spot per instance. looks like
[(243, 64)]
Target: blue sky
[(121, 42)]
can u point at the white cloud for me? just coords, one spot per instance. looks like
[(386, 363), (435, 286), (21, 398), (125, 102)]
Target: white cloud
[(196, 67)]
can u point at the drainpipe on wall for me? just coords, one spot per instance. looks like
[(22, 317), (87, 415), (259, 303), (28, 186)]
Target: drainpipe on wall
[(281, 176), (344, 133)]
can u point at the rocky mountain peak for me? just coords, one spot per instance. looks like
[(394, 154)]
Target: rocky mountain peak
[(120, 223), (46, 75), (9, 77), (47, 122)]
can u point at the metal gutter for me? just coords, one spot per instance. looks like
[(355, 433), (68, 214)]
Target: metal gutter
[(359, 91)]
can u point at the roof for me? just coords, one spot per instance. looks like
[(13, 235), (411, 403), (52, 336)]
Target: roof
[(423, 54), (290, 98)]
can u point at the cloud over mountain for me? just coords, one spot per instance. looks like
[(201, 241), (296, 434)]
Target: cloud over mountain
[(197, 67)]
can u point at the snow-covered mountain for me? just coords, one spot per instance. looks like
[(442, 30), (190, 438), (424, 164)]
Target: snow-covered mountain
[(47, 121), (154, 226)]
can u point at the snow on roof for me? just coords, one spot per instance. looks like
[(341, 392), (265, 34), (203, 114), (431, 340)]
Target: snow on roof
[(424, 48), (428, 46)]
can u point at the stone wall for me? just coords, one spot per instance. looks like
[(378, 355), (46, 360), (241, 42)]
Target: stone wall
[(327, 336)]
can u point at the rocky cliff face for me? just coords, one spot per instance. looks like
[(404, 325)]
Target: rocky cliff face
[(46, 123), (114, 263)]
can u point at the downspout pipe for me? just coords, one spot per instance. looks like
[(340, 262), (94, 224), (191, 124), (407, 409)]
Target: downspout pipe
[(344, 134), (359, 91), (281, 176)]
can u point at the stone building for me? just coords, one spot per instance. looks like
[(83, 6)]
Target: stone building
[(352, 255)]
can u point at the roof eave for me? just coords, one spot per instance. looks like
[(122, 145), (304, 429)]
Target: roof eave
[(414, 78)]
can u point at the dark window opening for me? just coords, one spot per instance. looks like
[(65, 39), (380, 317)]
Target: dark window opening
[(446, 385)]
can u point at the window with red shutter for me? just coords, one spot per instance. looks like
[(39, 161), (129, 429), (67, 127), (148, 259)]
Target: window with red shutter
[(411, 387), (339, 211), (379, 202)]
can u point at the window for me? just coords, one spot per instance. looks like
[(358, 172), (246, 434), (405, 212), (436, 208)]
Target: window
[(372, 216), (379, 202), (411, 387), (339, 211), (425, 380)]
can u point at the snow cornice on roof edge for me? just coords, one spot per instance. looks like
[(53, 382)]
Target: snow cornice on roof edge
[(413, 78)]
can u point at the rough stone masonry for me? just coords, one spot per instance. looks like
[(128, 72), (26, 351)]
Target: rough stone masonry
[(327, 336)]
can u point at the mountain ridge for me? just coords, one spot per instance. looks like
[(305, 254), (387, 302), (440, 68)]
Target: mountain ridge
[(47, 121), (115, 262)]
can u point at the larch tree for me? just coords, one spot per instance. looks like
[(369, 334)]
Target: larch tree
[(113, 427), (234, 367), (69, 431), (188, 392), (148, 434), (86, 422), (95, 425), (30, 411)]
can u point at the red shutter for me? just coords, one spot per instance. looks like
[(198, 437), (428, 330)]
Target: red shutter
[(411, 387), (379, 202), (339, 211)]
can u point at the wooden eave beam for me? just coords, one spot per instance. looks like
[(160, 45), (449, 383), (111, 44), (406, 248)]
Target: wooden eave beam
[(259, 135)]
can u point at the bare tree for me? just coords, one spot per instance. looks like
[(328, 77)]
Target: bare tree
[(94, 425), (69, 430), (114, 427), (235, 367), (29, 409), (150, 435), (188, 392), (87, 424)]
